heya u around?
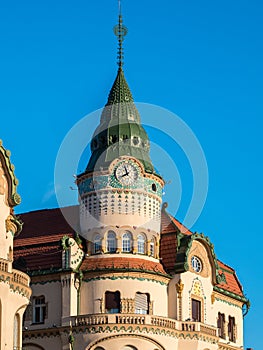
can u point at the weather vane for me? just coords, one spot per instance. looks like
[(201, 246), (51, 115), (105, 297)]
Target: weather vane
[(120, 31)]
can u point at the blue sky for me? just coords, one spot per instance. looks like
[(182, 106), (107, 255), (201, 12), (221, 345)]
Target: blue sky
[(201, 60)]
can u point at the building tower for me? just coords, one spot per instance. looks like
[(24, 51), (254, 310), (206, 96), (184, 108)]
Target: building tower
[(132, 277), (14, 284), (120, 196)]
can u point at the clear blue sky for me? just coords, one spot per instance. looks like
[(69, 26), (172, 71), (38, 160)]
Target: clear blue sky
[(200, 59)]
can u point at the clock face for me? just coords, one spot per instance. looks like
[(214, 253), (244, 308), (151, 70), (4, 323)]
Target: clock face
[(126, 173)]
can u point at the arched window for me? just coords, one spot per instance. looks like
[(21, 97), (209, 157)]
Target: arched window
[(142, 303), (221, 325), (16, 332), (152, 247), (111, 242), (97, 244), (127, 242), (112, 302), (141, 243)]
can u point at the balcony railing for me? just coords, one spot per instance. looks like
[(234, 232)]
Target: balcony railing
[(147, 320), (20, 278), (3, 265)]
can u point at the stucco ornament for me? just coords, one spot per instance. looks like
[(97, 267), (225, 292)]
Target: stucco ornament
[(13, 224), (179, 288)]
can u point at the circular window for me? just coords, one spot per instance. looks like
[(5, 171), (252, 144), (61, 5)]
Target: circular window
[(196, 264)]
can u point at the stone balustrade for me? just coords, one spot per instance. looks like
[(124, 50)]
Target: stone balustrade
[(3, 265), (20, 277), (130, 319), (137, 319)]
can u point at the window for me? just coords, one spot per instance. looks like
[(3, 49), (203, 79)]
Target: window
[(196, 310), (152, 246), (97, 244), (141, 244), (221, 325), (39, 309), (196, 264), (231, 329), (112, 302), (127, 242), (111, 242), (141, 303)]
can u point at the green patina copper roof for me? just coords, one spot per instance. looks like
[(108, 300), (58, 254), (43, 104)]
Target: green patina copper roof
[(120, 132)]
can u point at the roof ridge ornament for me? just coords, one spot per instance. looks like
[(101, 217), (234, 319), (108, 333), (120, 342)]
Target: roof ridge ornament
[(120, 31)]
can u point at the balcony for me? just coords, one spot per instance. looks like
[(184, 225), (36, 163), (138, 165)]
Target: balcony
[(137, 319), (17, 280)]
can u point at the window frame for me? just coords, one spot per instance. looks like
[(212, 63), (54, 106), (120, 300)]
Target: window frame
[(142, 311), (221, 325), (111, 242), (40, 315), (141, 242), (231, 329), (152, 247), (127, 243), (97, 244), (197, 310), (117, 295)]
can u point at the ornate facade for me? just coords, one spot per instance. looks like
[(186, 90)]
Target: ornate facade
[(128, 276), (14, 284)]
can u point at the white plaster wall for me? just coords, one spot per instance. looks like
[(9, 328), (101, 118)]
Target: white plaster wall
[(93, 291), (229, 310), (10, 303)]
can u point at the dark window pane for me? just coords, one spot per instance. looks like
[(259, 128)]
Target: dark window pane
[(196, 310), (112, 302)]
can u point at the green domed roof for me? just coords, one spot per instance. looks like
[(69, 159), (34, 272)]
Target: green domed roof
[(120, 132)]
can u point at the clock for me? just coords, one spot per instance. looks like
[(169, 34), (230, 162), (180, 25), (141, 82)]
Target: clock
[(126, 173)]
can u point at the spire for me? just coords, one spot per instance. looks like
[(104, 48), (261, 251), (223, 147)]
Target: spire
[(120, 132), (120, 31)]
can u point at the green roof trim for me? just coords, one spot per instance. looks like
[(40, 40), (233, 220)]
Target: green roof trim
[(184, 244), (231, 294), (13, 197)]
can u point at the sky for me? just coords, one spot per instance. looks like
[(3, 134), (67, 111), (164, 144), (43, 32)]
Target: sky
[(201, 60)]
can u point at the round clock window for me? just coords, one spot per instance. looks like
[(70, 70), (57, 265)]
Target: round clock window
[(196, 264), (126, 173)]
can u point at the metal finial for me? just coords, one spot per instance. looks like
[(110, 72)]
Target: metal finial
[(120, 31)]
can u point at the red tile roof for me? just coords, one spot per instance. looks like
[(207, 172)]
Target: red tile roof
[(38, 247), (90, 264), (232, 283), (170, 225)]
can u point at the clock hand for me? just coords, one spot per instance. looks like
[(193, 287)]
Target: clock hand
[(127, 173)]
